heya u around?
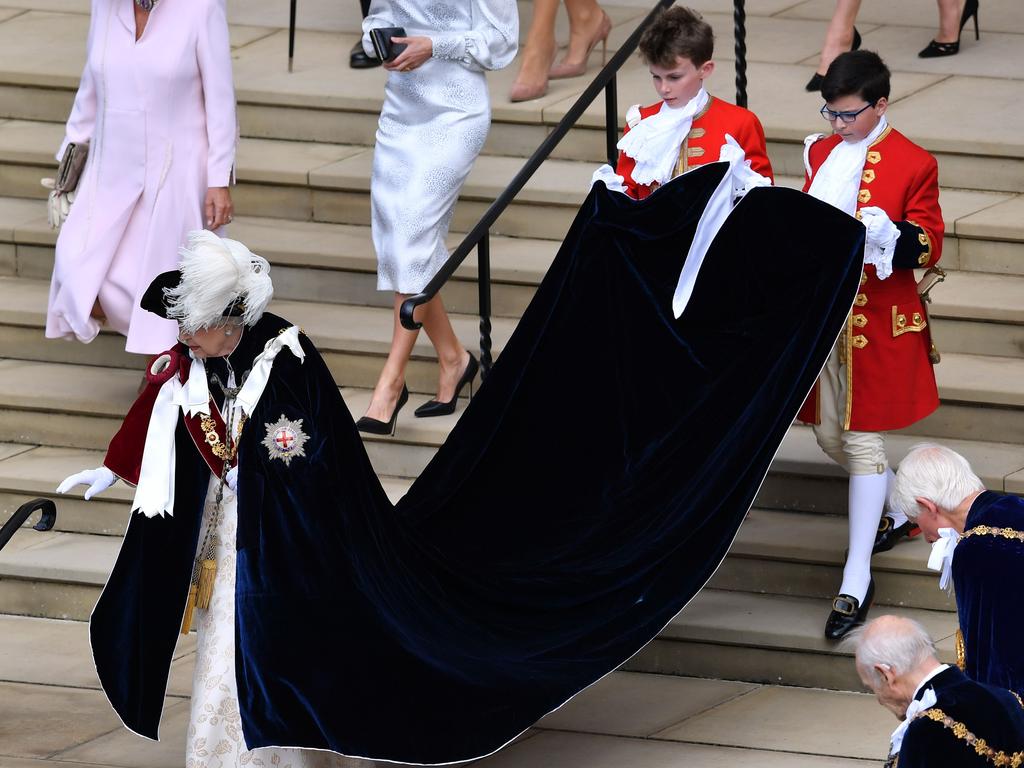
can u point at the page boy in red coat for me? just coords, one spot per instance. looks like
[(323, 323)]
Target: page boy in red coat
[(879, 376), (687, 127)]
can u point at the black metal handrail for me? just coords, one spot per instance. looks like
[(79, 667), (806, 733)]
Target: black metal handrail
[(479, 236), (47, 519)]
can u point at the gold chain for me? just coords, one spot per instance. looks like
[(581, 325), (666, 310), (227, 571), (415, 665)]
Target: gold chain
[(221, 451), (985, 530), (981, 747)]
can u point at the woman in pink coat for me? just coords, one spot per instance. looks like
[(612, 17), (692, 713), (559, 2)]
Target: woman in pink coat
[(156, 105)]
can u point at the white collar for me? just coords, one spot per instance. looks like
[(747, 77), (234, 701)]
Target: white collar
[(916, 706)]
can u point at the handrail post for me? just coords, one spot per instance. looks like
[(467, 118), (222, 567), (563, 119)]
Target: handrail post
[(47, 518), (611, 113), (483, 260), (740, 33)]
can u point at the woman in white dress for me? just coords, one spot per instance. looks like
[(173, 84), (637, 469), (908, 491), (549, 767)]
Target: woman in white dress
[(433, 124)]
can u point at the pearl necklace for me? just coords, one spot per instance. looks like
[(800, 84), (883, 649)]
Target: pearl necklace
[(146, 5)]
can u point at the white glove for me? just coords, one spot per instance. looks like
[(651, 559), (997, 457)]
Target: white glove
[(232, 479), (611, 179), (744, 178), (881, 239), (58, 205), (98, 480)]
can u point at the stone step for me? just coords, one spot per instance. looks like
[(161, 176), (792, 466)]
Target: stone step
[(796, 554), (353, 339), (330, 183), (768, 639)]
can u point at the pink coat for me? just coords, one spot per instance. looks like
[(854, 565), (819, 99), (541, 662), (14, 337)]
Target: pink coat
[(159, 116)]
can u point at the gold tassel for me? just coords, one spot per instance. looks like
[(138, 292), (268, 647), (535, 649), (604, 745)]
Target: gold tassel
[(190, 605), (207, 572)]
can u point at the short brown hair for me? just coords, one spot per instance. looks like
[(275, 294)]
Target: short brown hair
[(677, 33)]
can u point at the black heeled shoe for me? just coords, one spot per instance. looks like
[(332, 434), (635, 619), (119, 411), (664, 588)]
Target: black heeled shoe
[(934, 50), (889, 534), (436, 407), (814, 84), (847, 613), (378, 427)]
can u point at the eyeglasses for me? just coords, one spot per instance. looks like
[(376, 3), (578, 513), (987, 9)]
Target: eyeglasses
[(847, 117)]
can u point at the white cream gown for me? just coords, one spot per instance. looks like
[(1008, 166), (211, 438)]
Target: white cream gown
[(215, 726), (433, 125)]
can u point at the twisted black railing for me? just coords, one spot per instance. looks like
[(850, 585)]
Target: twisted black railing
[(479, 236), (46, 520)]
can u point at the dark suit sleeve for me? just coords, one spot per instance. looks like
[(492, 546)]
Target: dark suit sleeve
[(920, 242)]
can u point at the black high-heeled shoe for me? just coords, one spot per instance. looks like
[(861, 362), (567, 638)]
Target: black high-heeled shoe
[(847, 613), (814, 84), (378, 427), (438, 408), (934, 50)]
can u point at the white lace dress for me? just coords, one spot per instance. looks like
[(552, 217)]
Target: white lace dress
[(215, 726), (433, 125)]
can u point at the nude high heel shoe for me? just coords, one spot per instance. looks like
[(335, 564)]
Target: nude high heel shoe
[(568, 69), (527, 91)]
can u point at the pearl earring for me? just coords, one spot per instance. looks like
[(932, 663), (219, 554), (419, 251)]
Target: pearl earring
[(228, 332)]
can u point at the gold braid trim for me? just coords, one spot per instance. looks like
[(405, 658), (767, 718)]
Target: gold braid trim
[(986, 530), (980, 746), (1017, 697), (961, 650), (213, 439)]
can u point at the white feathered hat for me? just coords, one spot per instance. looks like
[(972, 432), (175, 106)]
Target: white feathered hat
[(218, 278)]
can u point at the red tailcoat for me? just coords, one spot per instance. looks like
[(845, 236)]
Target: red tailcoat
[(704, 141), (890, 381)]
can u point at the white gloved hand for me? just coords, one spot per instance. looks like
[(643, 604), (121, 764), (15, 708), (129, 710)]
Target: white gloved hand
[(611, 179), (58, 205), (881, 239), (744, 178), (98, 480), (232, 479)]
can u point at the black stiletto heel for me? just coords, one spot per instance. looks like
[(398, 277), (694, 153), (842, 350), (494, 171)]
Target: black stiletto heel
[(934, 50), (438, 408), (378, 427), (814, 84)]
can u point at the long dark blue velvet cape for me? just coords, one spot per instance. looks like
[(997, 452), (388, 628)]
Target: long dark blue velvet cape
[(987, 571), (990, 713), (587, 493)]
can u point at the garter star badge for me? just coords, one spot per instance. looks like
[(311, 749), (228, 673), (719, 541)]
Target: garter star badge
[(285, 439)]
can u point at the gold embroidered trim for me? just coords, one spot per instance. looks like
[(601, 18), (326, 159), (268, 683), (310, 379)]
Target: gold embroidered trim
[(859, 341), (961, 651), (864, 196), (880, 139), (848, 359), (1018, 698), (901, 325), (695, 151), (874, 157), (980, 746), (863, 278), (867, 176), (860, 320), (861, 300), (696, 133), (985, 530), (924, 239)]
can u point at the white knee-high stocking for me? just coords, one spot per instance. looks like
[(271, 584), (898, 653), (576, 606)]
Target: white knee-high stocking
[(867, 497), (898, 518)]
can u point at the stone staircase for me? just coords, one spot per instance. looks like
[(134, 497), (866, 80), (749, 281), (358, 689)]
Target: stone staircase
[(302, 199)]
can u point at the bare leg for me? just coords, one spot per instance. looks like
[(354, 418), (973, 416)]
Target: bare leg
[(451, 355), (839, 37), (392, 378), (97, 312), (949, 21), (538, 53), (587, 24)]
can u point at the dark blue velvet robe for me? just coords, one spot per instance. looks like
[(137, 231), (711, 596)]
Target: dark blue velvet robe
[(585, 496), (987, 575), (990, 713)]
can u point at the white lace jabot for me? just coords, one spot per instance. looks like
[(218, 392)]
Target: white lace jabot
[(654, 142)]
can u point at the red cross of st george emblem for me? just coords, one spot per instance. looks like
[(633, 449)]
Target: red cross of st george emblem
[(285, 439)]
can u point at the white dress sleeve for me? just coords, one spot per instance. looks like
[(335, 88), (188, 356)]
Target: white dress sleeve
[(493, 41), (379, 16)]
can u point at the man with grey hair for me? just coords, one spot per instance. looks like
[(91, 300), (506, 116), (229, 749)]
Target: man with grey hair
[(947, 719), (937, 488)]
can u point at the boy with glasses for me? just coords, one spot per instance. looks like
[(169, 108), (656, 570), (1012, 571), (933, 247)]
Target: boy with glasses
[(687, 127), (879, 376)]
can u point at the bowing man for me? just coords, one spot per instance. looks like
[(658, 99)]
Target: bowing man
[(936, 488)]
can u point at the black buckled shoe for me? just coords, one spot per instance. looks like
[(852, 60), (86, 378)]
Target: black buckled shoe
[(847, 613), (889, 534), (358, 58)]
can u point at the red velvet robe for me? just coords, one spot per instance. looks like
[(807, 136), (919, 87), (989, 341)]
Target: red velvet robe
[(890, 381), (705, 140)]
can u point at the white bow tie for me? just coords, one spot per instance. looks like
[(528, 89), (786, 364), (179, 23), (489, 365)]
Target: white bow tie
[(927, 701)]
